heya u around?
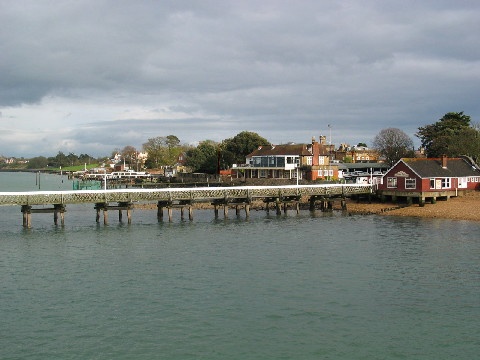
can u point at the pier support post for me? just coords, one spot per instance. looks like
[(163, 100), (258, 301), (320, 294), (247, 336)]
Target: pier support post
[(343, 204), (247, 210), (159, 212), (215, 210), (312, 203), (190, 213), (323, 205), (98, 207), (27, 216), (330, 205), (278, 206), (267, 206), (59, 209)]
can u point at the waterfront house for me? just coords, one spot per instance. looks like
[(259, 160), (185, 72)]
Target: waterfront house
[(430, 178), (287, 161)]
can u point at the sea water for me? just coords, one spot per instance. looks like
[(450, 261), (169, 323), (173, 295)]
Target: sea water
[(295, 286)]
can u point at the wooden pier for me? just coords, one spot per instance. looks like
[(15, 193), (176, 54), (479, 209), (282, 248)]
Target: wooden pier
[(180, 198)]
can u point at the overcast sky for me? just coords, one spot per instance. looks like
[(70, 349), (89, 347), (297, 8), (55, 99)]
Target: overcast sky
[(91, 76)]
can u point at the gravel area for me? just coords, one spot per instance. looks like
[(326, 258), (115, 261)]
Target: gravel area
[(465, 207)]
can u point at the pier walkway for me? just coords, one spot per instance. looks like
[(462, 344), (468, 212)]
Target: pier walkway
[(170, 198)]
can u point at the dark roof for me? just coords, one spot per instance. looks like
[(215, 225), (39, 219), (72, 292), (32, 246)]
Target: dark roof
[(289, 149), (365, 166), (432, 167)]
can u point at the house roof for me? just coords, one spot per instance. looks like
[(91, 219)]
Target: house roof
[(432, 167), (288, 149)]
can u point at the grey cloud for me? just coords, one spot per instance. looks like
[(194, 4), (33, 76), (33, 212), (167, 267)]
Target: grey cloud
[(230, 66)]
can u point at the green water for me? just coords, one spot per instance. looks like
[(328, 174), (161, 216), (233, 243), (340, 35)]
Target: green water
[(286, 287)]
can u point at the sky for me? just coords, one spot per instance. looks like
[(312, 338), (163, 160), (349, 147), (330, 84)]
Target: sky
[(89, 77)]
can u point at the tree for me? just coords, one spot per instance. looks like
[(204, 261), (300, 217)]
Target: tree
[(234, 150), (466, 142), (204, 158), (441, 137), (393, 144), (59, 160), (154, 148), (38, 162), (129, 153), (162, 150)]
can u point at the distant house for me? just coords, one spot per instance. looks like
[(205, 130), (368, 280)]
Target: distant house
[(430, 178), (288, 161)]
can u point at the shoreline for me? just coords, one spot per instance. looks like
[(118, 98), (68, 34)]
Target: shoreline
[(466, 207)]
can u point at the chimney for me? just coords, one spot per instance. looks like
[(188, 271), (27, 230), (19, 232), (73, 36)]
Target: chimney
[(444, 161)]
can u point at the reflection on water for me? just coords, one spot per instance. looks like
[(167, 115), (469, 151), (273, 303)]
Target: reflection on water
[(267, 287)]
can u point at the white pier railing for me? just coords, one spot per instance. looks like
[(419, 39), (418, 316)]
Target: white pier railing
[(198, 194)]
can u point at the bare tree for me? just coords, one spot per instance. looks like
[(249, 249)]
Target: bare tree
[(129, 154), (393, 144)]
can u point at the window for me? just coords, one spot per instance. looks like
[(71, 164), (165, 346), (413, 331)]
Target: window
[(309, 160), (321, 160), (410, 183), (446, 183), (392, 182), (432, 183), (330, 172)]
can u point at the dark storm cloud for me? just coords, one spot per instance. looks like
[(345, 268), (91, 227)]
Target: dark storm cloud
[(125, 71)]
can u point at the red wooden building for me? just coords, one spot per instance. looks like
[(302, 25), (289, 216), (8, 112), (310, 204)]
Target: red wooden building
[(429, 178)]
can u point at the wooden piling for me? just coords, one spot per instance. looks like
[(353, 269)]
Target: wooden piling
[(27, 216), (159, 211), (59, 209)]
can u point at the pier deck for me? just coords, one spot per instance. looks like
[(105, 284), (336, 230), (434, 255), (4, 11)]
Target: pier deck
[(200, 194), (175, 197)]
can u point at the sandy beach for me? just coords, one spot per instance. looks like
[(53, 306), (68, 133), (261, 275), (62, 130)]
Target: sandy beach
[(457, 208)]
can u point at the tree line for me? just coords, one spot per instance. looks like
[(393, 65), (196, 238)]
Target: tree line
[(452, 135), (60, 161)]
